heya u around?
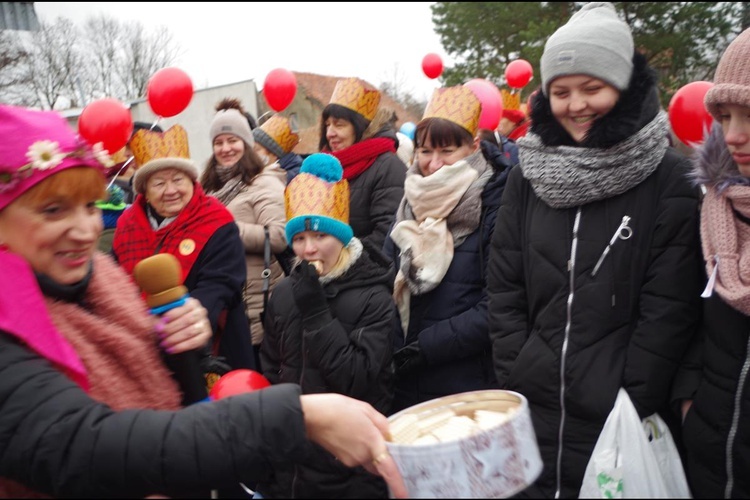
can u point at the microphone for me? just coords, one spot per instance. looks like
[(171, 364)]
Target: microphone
[(159, 277)]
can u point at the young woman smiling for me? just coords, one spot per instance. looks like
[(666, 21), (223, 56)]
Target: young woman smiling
[(254, 194), (594, 273)]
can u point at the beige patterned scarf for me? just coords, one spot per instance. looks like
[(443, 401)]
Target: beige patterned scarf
[(437, 213), (726, 245)]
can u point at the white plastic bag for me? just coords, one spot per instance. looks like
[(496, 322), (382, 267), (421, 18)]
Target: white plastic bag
[(634, 458)]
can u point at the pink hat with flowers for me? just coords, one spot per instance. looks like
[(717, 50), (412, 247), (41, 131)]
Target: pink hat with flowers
[(36, 145)]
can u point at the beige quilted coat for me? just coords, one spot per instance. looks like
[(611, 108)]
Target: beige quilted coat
[(260, 204)]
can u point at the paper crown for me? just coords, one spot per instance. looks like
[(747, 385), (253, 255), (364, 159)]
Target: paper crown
[(317, 199), (511, 100), (278, 135), (455, 104), (353, 94), (36, 145), (158, 150)]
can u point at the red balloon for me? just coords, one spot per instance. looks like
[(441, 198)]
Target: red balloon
[(169, 91), (107, 121), (492, 102), (687, 113), (238, 382), (518, 73), (432, 65), (279, 89)]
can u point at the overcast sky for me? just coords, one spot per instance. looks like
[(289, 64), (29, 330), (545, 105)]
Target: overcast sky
[(225, 42)]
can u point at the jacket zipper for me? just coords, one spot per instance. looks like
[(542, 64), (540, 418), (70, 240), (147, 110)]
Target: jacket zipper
[(571, 296), (735, 422), (623, 232)]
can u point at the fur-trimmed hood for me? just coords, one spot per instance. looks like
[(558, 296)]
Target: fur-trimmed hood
[(637, 106), (381, 126), (713, 164)]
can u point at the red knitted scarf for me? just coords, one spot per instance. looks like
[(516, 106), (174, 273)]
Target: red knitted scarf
[(184, 238), (360, 156)]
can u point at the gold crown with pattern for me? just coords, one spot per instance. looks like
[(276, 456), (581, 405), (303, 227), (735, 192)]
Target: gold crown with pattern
[(279, 129), (148, 145), (455, 104), (120, 156), (309, 194), (511, 100), (156, 151), (352, 93)]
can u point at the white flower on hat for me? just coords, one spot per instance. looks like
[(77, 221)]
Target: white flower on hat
[(44, 155), (102, 155)]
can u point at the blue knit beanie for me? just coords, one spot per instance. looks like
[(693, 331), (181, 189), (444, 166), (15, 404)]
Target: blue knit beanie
[(317, 199)]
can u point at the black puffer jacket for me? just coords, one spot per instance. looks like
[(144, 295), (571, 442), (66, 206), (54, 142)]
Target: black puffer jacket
[(376, 194), (568, 340), (350, 354), (716, 373), (55, 439)]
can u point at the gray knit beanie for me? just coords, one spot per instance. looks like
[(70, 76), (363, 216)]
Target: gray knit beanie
[(594, 42), (231, 121), (267, 142), (732, 78)]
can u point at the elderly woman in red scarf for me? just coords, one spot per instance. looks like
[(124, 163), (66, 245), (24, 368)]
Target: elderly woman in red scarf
[(360, 134), (171, 214)]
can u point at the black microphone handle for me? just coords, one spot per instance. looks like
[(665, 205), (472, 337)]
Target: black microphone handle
[(186, 367)]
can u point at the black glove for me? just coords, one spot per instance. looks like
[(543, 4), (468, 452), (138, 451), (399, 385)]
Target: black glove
[(307, 290), (408, 358)]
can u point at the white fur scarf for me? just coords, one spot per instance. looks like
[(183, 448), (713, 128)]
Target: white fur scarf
[(426, 243)]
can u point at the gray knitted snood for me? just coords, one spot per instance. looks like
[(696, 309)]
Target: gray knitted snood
[(565, 176)]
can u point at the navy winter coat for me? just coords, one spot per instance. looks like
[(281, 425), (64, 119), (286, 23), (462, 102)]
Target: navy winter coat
[(450, 321)]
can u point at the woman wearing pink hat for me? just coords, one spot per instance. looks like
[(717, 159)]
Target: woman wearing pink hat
[(714, 385), (87, 407)]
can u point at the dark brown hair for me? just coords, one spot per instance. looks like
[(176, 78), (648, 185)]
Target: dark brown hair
[(441, 133), (250, 165), (342, 113)]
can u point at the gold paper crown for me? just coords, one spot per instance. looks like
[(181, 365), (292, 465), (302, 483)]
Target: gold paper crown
[(308, 194), (148, 145), (279, 129), (353, 94), (119, 156), (456, 104), (511, 100)]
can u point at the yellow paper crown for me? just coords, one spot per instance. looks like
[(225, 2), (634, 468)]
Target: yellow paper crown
[(279, 129), (353, 94), (148, 145), (511, 100), (119, 156), (308, 194), (456, 104)]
